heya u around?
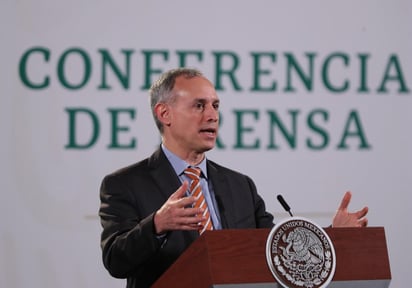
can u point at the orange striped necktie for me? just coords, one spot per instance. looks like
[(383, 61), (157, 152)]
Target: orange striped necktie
[(196, 190)]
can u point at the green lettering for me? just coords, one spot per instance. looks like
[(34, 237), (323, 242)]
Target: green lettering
[(357, 132), (219, 59), (326, 73), (241, 129), (258, 72), (318, 129), (116, 129), (398, 76), (219, 143), (290, 136), (62, 63), (149, 70), (292, 64), (363, 85), (73, 113), (23, 68), (182, 56), (107, 61)]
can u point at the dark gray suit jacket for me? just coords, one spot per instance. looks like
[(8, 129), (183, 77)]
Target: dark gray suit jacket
[(131, 196)]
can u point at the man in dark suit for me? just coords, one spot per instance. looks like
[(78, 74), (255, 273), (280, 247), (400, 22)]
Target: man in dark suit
[(147, 212)]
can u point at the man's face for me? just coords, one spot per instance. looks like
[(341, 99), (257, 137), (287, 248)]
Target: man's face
[(194, 115)]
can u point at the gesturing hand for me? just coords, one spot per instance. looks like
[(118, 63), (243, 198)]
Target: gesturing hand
[(343, 218), (177, 214)]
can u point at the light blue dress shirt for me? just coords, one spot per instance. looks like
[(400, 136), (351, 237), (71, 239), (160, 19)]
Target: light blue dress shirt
[(179, 166)]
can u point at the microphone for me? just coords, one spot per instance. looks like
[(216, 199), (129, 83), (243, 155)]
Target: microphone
[(284, 204)]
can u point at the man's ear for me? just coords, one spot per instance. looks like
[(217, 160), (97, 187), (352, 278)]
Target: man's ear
[(162, 111)]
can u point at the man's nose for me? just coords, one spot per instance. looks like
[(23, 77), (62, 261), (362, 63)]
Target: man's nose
[(211, 113)]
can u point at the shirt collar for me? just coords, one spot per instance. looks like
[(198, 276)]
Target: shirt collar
[(180, 165)]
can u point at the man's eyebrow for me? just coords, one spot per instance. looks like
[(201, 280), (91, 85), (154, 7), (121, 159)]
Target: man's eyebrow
[(200, 99)]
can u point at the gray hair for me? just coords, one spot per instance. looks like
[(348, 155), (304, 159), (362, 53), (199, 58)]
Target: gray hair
[(161, 89)]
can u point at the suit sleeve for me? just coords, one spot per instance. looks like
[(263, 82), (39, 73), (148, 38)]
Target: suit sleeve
[(127, 240), (262, 217)]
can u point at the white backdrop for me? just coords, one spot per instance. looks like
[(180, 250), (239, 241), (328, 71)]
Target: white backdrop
[(49, 235)]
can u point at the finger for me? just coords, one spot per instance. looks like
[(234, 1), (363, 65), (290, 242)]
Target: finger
[(362, 213), (191, 227), (363, 222), (186, 202), (345, 201), (187, 212), (194, 220), (181, 191)]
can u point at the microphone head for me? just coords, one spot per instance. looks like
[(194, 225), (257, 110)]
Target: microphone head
[(283, 203)]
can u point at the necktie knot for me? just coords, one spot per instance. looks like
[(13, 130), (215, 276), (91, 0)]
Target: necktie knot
[(193, 173)]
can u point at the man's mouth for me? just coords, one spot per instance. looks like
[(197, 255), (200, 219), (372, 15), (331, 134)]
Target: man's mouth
[(210, 131)]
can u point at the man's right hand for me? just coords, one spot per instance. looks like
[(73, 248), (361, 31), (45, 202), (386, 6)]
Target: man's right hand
[(177, 213)]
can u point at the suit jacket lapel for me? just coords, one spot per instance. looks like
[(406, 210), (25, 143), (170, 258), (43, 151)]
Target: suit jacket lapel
[(223, 194), (163, 174)]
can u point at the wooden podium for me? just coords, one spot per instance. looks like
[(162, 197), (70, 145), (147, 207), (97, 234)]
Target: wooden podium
[(237, 258)]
